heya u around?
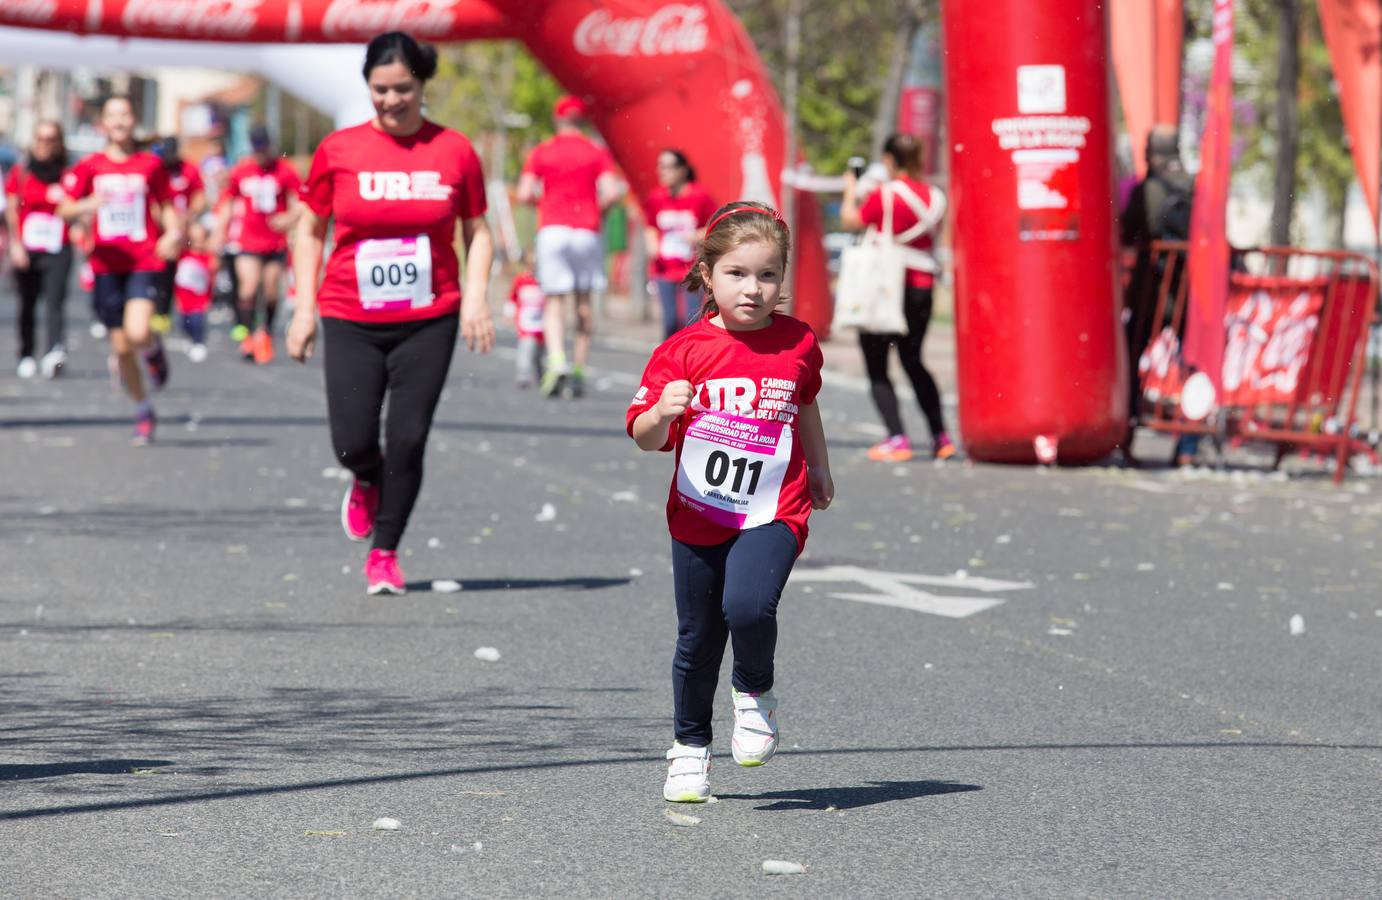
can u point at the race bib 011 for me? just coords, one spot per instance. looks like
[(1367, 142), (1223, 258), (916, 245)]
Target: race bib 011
[(394, 274), (732, 468)]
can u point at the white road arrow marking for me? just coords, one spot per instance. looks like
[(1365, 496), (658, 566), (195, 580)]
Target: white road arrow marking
[(895, 589)]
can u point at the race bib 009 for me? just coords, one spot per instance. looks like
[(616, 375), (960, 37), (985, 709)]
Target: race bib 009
[(394, 274), (732, 468)]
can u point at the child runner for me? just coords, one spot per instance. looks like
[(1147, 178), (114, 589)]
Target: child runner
[(525, 307), (735, 395), (396, 187), (192, 284), (119, 188)]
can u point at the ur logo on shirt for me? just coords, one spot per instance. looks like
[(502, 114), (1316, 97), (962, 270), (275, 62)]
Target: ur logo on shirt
[(403, 186), (728, 395)]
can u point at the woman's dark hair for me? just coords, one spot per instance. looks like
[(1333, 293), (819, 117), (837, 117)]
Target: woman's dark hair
[(733, 225), (50, 170), (682, 161), (906, 152), (397, 47)]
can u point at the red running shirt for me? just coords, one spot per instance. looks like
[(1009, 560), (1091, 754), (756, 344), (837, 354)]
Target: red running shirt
[(192, 282), (527, 305), (40, 229), (569, 165), (743, 381), (263, 192), (185, 182), (677, 219), (396, 202), (903, 218), (126, 233)]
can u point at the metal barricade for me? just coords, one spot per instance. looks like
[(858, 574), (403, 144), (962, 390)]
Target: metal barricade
[(1297, 325)]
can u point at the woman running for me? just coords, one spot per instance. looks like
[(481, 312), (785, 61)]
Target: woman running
[(119, 189), (676, 212), (916, 210), (396, 187), (261, 193), (40, 249)]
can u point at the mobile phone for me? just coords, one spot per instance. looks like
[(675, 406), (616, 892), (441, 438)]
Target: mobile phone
[(857, 165)]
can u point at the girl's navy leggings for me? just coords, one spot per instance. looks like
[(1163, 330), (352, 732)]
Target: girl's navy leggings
[(726, 591)]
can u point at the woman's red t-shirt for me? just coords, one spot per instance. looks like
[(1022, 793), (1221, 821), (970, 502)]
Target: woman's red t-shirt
[(395, 201), (677, 219), (40, 229), (763, 376)]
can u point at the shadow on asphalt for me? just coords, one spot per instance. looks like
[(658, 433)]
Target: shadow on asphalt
[(870, 794), (578, 583), (879, 792), (86, 767)]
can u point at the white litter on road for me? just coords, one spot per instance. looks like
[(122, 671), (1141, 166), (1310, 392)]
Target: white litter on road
[(1225, 586), (1058, 631), (782, 867), (1003, 539), (547, 513), (681, 820), (434, 543), (1145, 567), (624, 497), (445, 586), (634, 573), (1297, 625), (487, 654), (296, 502), (386, 824)]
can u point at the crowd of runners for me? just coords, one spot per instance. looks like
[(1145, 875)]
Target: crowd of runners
[(385, 253)]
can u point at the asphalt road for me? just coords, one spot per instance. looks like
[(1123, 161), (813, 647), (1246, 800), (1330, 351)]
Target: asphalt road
[(994, 681)]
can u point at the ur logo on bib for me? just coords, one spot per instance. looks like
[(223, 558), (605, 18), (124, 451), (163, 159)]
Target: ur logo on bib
[(732, 467)]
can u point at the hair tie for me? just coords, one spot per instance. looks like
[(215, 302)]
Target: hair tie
[(777, 216)]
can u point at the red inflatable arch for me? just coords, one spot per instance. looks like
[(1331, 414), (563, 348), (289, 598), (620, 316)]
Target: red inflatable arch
[(655, 74)]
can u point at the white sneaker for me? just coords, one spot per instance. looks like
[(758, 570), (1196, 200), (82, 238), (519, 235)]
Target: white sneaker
[(98, 330), (688, 774), (28, 367), (755, 728), (197, 353), (53, 361)]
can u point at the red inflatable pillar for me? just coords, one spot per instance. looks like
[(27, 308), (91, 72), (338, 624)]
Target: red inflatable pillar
[(1041, 356)]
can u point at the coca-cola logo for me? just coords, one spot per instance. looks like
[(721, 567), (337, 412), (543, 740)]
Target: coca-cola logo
[(364, 18), (29, 12), (674, 29), (201, 18)]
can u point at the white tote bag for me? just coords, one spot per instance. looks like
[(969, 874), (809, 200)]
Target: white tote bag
[(873, 272)]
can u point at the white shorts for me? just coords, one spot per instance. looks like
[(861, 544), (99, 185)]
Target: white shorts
[(569, 260)]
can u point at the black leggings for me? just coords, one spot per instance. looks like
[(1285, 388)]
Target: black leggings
[(363, 362), (45, 278), (917, 308), (725, 592)]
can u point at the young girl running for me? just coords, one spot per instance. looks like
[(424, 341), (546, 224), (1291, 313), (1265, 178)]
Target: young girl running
[(735, 396)]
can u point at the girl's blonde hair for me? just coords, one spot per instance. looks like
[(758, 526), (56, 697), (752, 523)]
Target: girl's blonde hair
[(733, 225)]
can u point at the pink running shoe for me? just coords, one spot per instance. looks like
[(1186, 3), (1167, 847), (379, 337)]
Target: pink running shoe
[(382, 574), (358, 506)]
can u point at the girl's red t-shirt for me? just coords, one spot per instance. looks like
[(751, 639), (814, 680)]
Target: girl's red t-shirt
[(395, 201), (192, 281), (742, 381), (677, 219), (40, 228), (126, 233)]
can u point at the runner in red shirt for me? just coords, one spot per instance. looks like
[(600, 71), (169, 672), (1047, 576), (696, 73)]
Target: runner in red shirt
[(40, 248), (571, 179), (735, 396), (189, 198), (917, 209), (676, 211), (263, 190), (121, 190), (396, 187), (526, 307)]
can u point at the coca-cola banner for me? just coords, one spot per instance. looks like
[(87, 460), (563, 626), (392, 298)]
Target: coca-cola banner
[(655, 75)]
